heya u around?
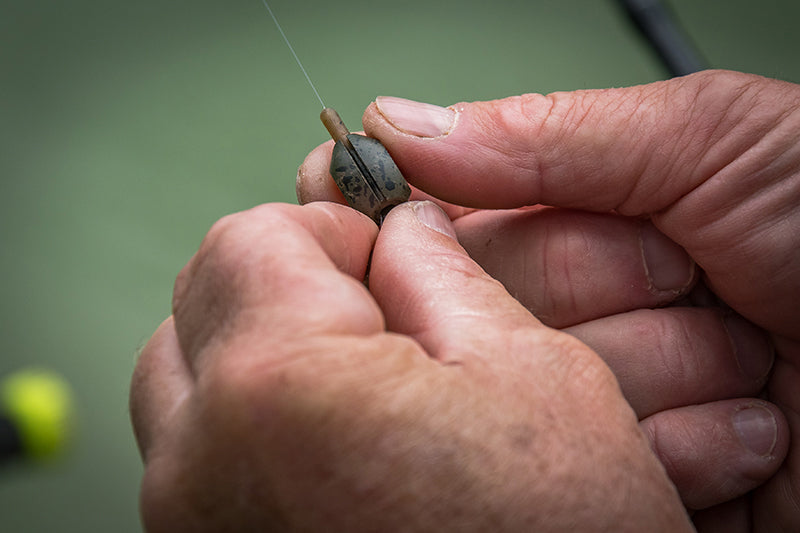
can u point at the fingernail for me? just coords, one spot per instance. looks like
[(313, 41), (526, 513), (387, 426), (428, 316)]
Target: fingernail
[(753, 353), (757, 429), (416, 118), (431, 215), (667, 265)]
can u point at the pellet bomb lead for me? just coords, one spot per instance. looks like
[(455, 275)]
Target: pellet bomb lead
[(363, 170), (361, 167)]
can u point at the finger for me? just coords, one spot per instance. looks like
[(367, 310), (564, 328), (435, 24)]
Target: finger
[(688, 152), (777, 501), (430, 289), (591, 150), (161, 383), (570, 266), (718, 451), (285, 272), (676, 357), (315, 184)]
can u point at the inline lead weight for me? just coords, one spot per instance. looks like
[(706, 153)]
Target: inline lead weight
[(361, 167), (364, 171)]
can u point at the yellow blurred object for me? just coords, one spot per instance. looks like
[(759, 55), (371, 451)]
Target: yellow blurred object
[(39, 404)]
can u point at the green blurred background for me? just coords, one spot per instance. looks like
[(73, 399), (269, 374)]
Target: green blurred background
[(127, 128)]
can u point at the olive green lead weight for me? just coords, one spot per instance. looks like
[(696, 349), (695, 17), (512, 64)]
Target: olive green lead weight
[(364, 171)]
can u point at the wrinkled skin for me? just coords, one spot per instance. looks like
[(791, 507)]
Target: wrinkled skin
[(284, 395)]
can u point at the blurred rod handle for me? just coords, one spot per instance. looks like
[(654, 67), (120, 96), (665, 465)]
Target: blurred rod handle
[(660, 28)]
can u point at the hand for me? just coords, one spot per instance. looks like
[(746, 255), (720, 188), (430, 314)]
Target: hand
[(712, 159), (283, 395)]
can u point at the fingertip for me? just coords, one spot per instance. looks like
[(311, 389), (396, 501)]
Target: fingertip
[(450, 152), (425, 220), (721, 450), (429, 287), (433, 217), (314, 182)]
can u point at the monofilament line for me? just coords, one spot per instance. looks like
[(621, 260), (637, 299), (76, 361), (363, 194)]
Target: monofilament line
[(271, 14)]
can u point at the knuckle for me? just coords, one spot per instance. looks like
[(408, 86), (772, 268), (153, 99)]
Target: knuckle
[(562, 279), (232, 236), (675, 348), (158, 496), (215, 283), (721, 103), (511, 128), (237, 243), (181, 286), (146, 383), (721, 79), (137, 405)]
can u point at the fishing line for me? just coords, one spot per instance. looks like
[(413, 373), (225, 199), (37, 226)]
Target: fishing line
[(360, 166), (291, 49)]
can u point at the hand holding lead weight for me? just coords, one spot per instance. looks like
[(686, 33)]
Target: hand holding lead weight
[(364, 171)]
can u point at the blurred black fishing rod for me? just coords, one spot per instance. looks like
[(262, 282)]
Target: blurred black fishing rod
[(660, 28)]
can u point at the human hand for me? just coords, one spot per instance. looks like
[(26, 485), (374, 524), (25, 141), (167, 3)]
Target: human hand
[(283, 395), (712, 160)]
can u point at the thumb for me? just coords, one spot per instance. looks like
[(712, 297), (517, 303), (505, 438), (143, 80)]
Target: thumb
[(713, 158), (636, 150), (430, 289)]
